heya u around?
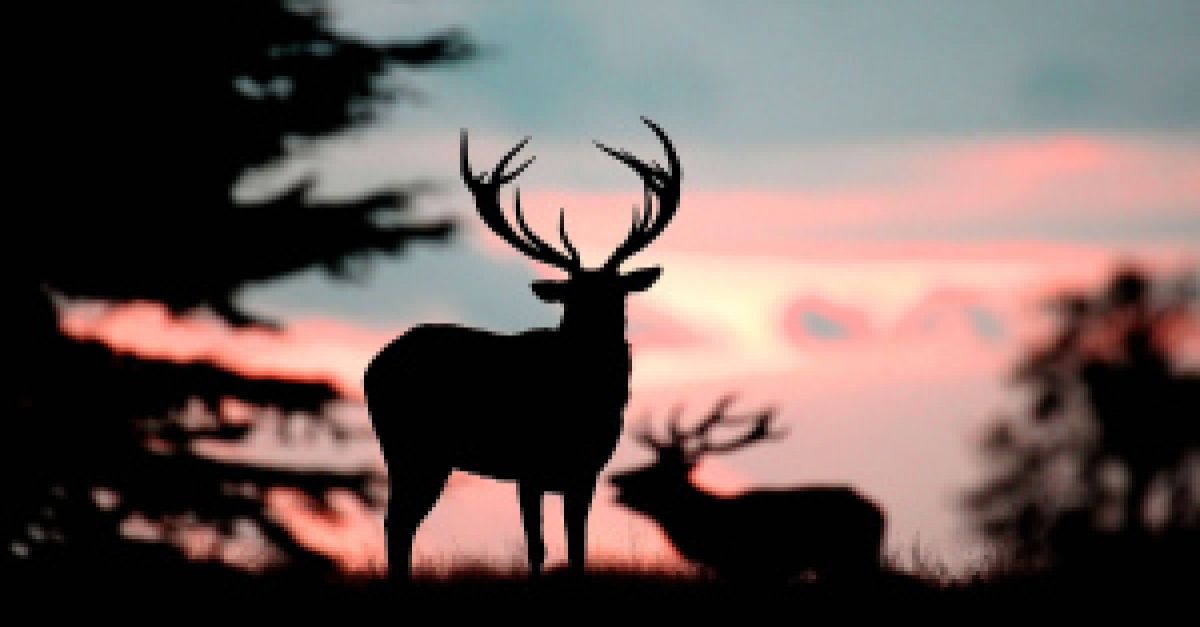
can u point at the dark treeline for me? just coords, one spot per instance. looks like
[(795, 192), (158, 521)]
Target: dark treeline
[(148, 115)]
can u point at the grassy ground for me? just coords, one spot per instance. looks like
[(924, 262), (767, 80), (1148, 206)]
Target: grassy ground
[(609, 592)]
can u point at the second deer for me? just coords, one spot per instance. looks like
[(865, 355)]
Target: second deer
[(765, 534)]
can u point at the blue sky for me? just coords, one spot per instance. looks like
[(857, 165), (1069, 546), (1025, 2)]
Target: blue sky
[(782, 72)]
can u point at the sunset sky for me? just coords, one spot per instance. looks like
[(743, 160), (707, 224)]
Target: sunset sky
[(877, 198)]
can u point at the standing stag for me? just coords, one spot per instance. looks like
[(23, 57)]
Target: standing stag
[(543, 407), (766, 534)]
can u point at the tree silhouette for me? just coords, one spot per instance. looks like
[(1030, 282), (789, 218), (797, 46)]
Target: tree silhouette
[(1101, 473), (161, 110)]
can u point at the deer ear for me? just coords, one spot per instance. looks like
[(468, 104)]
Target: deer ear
[(550, 291), (641, 279)]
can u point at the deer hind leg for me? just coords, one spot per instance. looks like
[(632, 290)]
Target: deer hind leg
[(576, 504), (530, 497), (413, 495)]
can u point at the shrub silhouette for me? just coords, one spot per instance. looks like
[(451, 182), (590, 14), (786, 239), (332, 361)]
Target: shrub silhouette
[(1101, 474)]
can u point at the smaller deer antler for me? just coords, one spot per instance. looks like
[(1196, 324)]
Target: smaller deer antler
[(715, 416), (695, 442), (645, 435), (754, 534), (763, 430)]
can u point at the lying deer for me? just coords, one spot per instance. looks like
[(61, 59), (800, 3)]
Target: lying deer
[(767, 534), (542, 408)]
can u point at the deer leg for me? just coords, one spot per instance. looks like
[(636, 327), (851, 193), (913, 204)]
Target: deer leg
[(412, 497), (576, 504), (530, 497)]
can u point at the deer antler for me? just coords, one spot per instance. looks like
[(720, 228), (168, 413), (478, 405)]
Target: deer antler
[(715, 416), (485, 188), (694, 442), (659, 182), (762, 430)]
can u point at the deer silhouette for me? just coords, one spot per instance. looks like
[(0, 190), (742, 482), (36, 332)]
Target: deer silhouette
[(543, 407), (763, 535)]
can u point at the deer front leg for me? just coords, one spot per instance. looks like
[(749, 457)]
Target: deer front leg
[(531, 517), (576, 504)]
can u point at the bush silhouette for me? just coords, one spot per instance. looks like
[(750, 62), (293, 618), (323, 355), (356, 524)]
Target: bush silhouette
[(1099, 476)]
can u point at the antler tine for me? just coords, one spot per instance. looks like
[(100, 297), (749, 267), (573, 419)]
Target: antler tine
[(652, 172), (538, 242), (498, 171), (716, 415), (648, 172), (562, 235), (668, 147), (640, 216), (658, 181), (485, 188), (761, 431), (765, 428), (497, 175), (647, 207), (645, 435), (464, 163), (698, 435), (677, 436)]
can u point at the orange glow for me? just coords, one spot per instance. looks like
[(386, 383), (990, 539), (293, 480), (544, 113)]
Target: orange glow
[(347, 531)]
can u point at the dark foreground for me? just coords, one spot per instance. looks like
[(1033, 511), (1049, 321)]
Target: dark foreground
[(117, 590)]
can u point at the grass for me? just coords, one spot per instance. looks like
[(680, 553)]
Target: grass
[(606, 589), (137, 581)]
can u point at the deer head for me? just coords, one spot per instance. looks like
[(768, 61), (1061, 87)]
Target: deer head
[(646, 489), (593, 298)]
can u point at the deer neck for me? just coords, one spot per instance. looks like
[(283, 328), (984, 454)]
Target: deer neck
[(603, 352), (683, 505), (591, 330)]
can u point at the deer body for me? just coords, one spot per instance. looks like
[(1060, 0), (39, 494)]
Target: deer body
[(765, 534), (477, 414), (542, 408), (773, 534)]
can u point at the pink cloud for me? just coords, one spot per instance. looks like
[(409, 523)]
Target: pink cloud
[(307, 350)]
